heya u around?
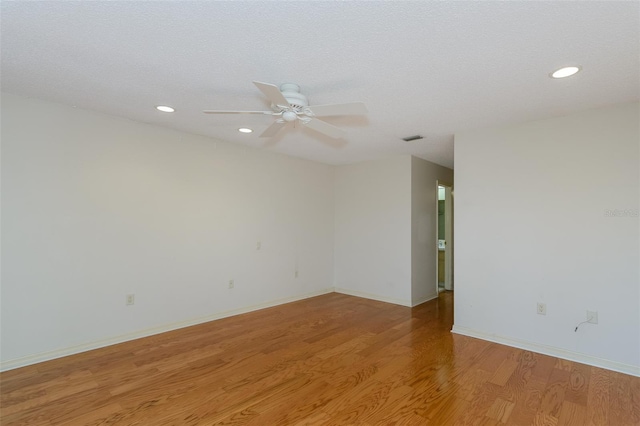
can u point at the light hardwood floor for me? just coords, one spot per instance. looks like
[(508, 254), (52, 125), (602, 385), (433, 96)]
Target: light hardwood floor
[(329, 360)]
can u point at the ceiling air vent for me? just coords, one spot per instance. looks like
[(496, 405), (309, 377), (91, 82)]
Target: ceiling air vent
[(412, 138)]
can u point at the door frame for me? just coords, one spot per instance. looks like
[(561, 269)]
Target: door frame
[(448, 230)]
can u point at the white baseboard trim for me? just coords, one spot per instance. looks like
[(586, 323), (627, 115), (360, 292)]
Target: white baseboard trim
[(372, 296), (632, 370), (59, 353), (424, 300)]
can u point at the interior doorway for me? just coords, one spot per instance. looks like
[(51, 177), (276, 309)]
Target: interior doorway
[(444, 233)]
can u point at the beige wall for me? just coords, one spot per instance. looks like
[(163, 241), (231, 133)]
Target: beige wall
[(96, 207), (532, 225), (373, 229), (385, 229)]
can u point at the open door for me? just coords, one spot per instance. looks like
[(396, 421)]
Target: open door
[(444, 242)]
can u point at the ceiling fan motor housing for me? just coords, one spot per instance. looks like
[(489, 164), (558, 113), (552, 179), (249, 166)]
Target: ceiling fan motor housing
[(291, 93)]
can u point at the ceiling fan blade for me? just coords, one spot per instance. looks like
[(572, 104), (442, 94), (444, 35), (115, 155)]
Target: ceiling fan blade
[(272, 93), (351, 108), (326, 128), (237, 112), (272, 130)]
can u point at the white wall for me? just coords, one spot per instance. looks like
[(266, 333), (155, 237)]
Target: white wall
[(424, 222), (531, 226), (96, 207), (385, 229), (373, 229)]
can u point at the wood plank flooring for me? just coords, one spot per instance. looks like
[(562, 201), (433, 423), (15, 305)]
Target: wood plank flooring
[(328, 360)]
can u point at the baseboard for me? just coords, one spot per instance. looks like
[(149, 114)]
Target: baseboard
[(424, 300), (59, 353), (632, 370), (372, 296)]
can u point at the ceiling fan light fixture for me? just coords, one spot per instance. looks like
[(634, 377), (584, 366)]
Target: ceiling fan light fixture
[(165, 108), (245, 130), (565, 72), (289, 116)]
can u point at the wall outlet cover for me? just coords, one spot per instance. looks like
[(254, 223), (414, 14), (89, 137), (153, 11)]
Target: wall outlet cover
[(542, 308)]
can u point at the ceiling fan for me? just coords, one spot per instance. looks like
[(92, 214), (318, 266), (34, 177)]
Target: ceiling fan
[(291, 106)]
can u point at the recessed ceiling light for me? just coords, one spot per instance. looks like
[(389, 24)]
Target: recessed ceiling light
[(245, 130), (165, 108), (565, 72)]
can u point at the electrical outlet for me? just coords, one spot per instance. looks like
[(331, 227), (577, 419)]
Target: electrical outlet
[(542, 308), (231, 284), (295, 274), (592, 317), (131, 299), (258, 245)]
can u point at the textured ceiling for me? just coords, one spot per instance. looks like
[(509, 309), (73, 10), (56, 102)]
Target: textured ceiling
[(429, 68)]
